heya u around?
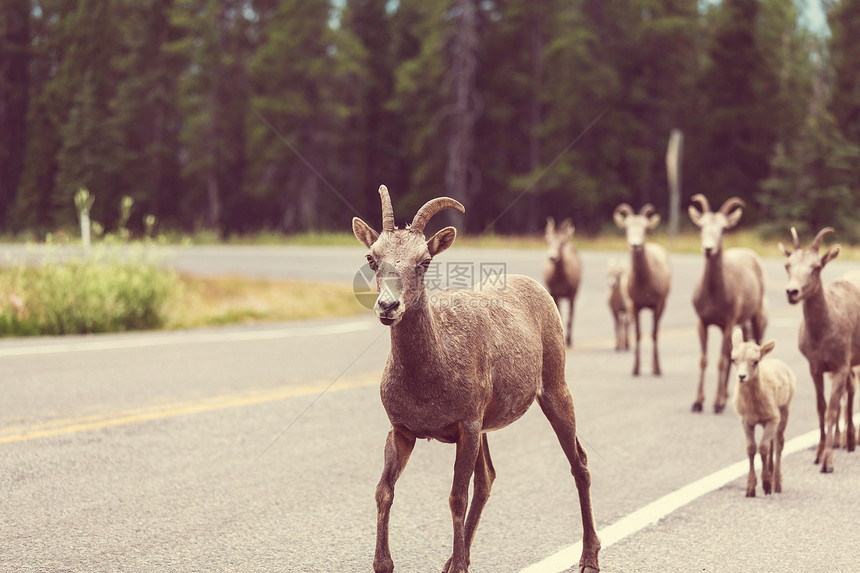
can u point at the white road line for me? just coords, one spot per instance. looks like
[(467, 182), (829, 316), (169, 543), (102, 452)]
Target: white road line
[(170, 339), (657, 510)]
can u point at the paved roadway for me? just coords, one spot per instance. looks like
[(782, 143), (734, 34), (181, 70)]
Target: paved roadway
[(258, 448)]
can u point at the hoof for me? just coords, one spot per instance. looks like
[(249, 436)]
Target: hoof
[(751, 493), (586, 569), (826, 469), (697, 407), (718, 408)]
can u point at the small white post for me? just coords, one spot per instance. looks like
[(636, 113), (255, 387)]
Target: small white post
[(673, 171)]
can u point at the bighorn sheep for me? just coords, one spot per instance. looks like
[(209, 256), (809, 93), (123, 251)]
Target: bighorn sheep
[(650, 273), (619, 303), (829, 335), (463, 363), (563, 269), (762, 396), (730, 291)]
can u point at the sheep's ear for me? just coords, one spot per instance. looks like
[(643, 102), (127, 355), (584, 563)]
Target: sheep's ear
[(767, 348), (653, 221), (831, 254), (783, 250), (737, 337), (441, 240), (734, 217), (695, 215), (363, 232), (620, 219), (567, 228)]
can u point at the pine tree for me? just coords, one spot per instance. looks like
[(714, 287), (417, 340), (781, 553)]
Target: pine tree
[(14, 97)]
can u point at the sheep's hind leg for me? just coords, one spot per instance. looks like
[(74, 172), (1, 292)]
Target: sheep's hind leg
[(557, 406), (398, 447), (485, 474)]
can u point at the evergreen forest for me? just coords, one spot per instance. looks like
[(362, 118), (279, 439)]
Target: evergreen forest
[(236, 116)]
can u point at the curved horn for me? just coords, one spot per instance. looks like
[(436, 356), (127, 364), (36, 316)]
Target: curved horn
[(795, 239), (432, 207), (816, 242), (647, 210), (730, 204), (387, 209), (701, 202), (623, 209)]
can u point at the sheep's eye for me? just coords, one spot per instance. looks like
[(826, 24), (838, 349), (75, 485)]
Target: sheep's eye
[(755, 363), (425, 264), (371, 262)]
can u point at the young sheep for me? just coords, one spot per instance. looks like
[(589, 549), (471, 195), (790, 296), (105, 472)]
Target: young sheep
[(762, 397), (650, 273), (619, 303), (730, 291), (563, 268), (829, 335), (464, 363)]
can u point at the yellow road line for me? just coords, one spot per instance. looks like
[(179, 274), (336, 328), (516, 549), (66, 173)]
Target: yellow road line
[(20, 433)]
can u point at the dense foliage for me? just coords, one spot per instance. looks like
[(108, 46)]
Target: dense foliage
[(240, 115)]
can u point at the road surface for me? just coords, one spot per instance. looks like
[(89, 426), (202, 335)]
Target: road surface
[(258, 448)]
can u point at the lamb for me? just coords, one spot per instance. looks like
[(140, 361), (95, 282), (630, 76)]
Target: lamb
[(563, 268), (464, 363), (619, 303), (729, 292), (829, 335), (762, 397), (650, 273)]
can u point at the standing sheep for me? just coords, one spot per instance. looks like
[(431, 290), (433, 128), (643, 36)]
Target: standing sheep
[(829, 335), (619, 303), (762, 397), (464, 363), (563, 269), (650, 273), (729, 293)]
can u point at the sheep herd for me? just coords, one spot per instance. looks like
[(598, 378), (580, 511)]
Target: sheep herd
[(730, 294), (458, 368)]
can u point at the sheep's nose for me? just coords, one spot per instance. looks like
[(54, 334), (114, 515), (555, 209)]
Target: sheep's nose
[(709, 251), (388, 306), (742, 377), (792, 294)]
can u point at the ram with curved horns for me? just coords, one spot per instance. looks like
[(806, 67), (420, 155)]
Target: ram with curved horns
[(729, 292), (464, 363)]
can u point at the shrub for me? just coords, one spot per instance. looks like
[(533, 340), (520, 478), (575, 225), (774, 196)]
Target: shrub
[(101, 291)]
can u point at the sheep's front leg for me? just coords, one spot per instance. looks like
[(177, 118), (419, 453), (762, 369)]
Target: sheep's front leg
[(398, 447), (723, 367), (658, 313), (821, 407), (569, 338), (468, 445), (749, 431), (779, 443), (703, 363), (765, 450), (849, 412), (638, 333)]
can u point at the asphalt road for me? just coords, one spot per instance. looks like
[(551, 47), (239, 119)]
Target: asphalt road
[(259, 448)]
